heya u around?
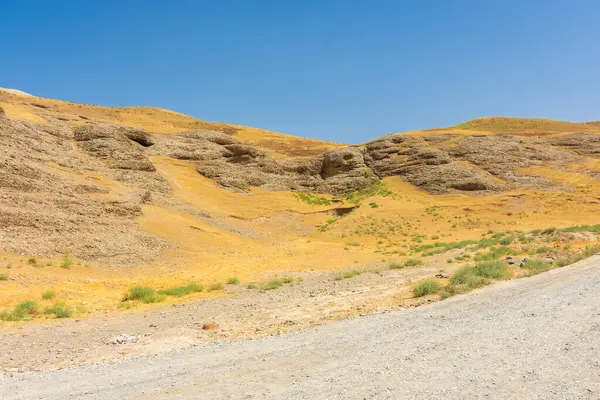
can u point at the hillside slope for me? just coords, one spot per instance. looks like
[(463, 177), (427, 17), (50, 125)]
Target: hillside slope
[(121, 197)]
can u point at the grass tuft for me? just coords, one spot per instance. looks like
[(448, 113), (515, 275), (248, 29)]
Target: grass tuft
[(144, 294), (59, 310), (273, 284), (348, 274), (411, 262), (425, 287), (3, 277), (48, 295), (233, 281), (179, 291)]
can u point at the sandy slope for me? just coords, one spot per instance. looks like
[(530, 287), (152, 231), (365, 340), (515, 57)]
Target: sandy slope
[(529, 338)]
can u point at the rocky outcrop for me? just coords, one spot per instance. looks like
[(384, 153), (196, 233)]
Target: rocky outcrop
[(237, 166)]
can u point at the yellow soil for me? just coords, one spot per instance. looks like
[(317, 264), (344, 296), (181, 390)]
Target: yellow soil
[(520, 126)]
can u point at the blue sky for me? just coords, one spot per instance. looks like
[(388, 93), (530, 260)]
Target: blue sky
[(345, 70)]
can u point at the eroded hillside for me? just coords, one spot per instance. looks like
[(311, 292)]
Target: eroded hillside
[(97, 200)]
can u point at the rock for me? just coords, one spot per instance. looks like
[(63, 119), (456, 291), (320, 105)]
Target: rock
[(123, 339), (210, 326), (442, 275), (549, 260), (2, 112)]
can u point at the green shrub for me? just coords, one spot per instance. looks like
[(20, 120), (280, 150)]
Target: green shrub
[(28, 307), (67, 262), (3, 277), (252, 286), (536, 266), (348, 274), (216, 286), (59, 310), (233, 281), (491, 269), (144, 294), (413, 262), (48, 295), (273, 284), (425, 287), (32, 261)]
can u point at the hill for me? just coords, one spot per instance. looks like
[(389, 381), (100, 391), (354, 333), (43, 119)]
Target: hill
[(97, 200)]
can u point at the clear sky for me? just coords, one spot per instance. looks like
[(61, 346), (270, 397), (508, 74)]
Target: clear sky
[(343, 70)]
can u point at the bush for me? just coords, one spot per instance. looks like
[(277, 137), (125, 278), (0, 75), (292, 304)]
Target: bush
[(3, 277), (21, 310), (59, 310), (216, 286), (28, 307), (273, 284), (144, 294), (233, 281), (491, 269), (425, 287), (536, 266), (48, 295), (413, 262), (67, 262)]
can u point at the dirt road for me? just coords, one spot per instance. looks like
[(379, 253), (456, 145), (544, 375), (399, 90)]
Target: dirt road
[(535, 338)]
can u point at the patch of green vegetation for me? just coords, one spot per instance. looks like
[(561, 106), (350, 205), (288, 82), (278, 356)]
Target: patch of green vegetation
[(287, 279), (411, 262), (32, 261), (425, 287), (215, 287), (59, 310), (582, 228), (28, 307), (252, 286), (472, 277), (348, 274), (312, 199), (3, 277), (144, 294), (273, 284), (355, 244), (374, 205), (23, 310), (327, 224), (67, 262), (536, 266), (233, 281), (376, 189), (48, 295), (179, 291)]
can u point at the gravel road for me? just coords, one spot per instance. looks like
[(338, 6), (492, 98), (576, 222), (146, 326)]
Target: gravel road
[(533, 338)]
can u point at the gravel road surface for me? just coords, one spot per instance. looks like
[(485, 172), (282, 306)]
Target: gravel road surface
[(533, 338)]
